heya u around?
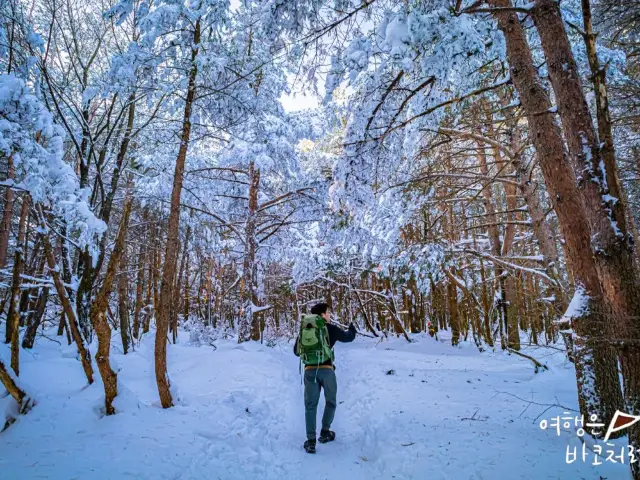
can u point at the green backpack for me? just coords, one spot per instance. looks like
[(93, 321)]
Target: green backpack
[(314, 347)]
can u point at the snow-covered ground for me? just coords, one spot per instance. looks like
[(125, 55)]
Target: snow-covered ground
[(423, 410)]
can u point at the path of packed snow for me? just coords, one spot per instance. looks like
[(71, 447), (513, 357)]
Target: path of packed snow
[(422, 411)]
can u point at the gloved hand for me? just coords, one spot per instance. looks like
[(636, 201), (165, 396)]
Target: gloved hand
[(352, 328)]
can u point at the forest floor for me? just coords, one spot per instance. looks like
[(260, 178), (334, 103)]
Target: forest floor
[(423, 410)]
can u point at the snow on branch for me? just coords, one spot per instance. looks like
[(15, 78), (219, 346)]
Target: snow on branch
[(510, 265)]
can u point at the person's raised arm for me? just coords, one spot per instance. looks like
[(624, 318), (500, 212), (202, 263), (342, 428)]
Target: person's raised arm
[(342, 335)]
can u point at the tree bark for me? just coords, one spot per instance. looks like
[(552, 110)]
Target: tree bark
[(19, 395), (123, 302), (612, 243), (249, 326), (452, 304), (13, 317), (29, 338), (178, 290), (84, 293), (7, 215), (139, 289), (99, 310), (605, 131), (171, 253), (596, 364)]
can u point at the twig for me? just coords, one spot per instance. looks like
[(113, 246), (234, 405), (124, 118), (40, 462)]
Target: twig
[(49, 338), (473, 417), (531, 402)]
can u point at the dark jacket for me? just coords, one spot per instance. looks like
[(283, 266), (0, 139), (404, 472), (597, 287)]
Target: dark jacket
[(336, 334)]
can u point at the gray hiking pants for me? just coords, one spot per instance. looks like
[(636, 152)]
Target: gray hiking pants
[(314, 380)]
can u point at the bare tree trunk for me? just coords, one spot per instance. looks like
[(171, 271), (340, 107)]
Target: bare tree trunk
[(7, 215), (178, 289), (596, 365), (83, 294), (187, 299), (494, 239), (151, 276), (170, 260), (605, 133), (452, 304), (510, 191), (249, 327), (485, 306), (63, 327), (29, 338), (13, 317), (83, 349), (99, 310), (123, 302), (139, 290)]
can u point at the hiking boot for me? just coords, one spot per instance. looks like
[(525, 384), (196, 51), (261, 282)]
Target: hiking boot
[(326, 436), (310, 446)]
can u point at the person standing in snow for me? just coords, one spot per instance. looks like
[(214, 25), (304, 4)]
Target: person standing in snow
[(314, 346)]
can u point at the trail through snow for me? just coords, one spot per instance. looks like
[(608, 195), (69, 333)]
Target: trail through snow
[(423, 410)]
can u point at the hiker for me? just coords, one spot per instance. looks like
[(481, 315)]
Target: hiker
[(314, 346)]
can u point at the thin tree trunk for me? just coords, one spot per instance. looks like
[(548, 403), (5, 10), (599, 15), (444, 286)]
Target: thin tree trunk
[(249, 328), (178, 289), (123, 302), (496, 249), (99, 311), (596, 364), (29, 338), (605, 131), (170, 260), (61, 324), (187, 298), (13, 317), (139, 290), (510, 191), (7, 215), (150, 286), (452, 304), (83, 294)]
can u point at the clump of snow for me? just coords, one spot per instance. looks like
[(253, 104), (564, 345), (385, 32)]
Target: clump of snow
[(578, 307), (30, 137)]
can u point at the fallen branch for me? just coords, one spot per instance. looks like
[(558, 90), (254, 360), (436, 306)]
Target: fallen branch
[(537, 364)]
